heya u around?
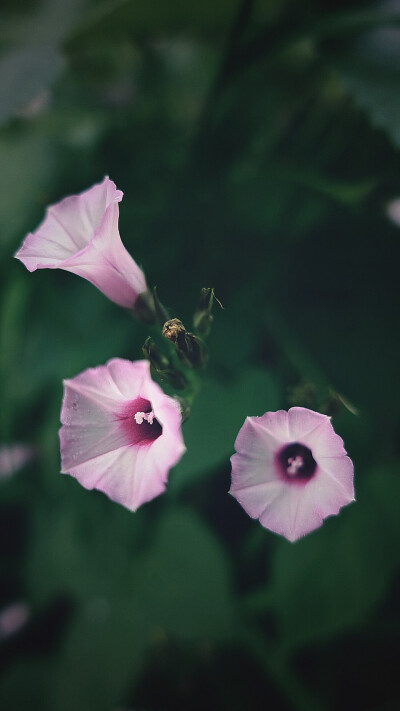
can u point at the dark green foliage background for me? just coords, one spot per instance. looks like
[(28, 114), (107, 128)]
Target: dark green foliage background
[(257, 144)]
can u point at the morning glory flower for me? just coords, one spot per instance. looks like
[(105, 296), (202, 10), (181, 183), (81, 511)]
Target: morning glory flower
[(120, 433), (80, 235), (291, 471)]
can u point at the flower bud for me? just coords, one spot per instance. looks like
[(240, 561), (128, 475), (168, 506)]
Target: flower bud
[(175, 332), (173, 377), (203, 318), (190, 348), (152, 352), (162, 366), (302, 395)]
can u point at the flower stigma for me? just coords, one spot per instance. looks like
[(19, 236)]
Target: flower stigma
[(148, 416), (296, 462)]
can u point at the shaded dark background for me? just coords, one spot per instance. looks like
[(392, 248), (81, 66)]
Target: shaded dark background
[(257, 145)]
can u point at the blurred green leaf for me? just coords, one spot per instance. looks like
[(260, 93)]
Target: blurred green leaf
[(12, 315), (30, 160), (184, 581), (41, 23), (331, 580), (127, 598), (92, 552), (27, 684), (24, 74), (156, 16), (215, 420), (103, 655), (370, 71)]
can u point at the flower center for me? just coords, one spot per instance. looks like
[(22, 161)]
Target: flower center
[(296, 462), (140, 423)]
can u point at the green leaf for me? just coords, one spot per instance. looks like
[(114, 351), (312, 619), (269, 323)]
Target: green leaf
[(370, 71), (125, 597), (103, 656), (27, 685), (215, 420), (184, 581), (24, 74), (41, 23), (331, 580), (30, 161), (157, 16)]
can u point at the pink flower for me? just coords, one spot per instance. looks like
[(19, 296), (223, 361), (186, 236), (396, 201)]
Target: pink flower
[(14, 457), (80, 234), (13, 618), (393, 211), (120, 433), (291, 471)]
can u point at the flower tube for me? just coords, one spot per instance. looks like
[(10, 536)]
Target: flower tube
[(80, 235)]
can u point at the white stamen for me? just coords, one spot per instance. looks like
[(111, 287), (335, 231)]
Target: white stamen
[(295, 463), (148, 416)]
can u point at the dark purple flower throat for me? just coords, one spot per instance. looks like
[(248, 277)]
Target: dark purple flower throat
[(296, 462)]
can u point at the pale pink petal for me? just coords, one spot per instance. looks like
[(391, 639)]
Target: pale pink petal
[(328, 494), (131, 378), (276, 424), (255, 480), (293, 514), (341, 470), (80, 235), (81, 443), (324, 442), (126, 475), (303, 422), (256, 497), (87, 405), (256, 436)]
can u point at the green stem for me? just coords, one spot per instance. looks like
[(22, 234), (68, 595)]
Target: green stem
[(278, 669)]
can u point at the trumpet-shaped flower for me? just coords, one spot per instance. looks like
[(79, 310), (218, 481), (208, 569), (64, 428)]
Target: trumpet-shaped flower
[(290, 471), (120, 433), (80, 235)]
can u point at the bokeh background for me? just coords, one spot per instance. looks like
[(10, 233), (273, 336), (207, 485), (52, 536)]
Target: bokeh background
[(257, 145)]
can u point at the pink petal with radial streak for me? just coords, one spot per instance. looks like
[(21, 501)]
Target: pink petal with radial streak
[(293, 514), (302, 422), (276, 424)]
